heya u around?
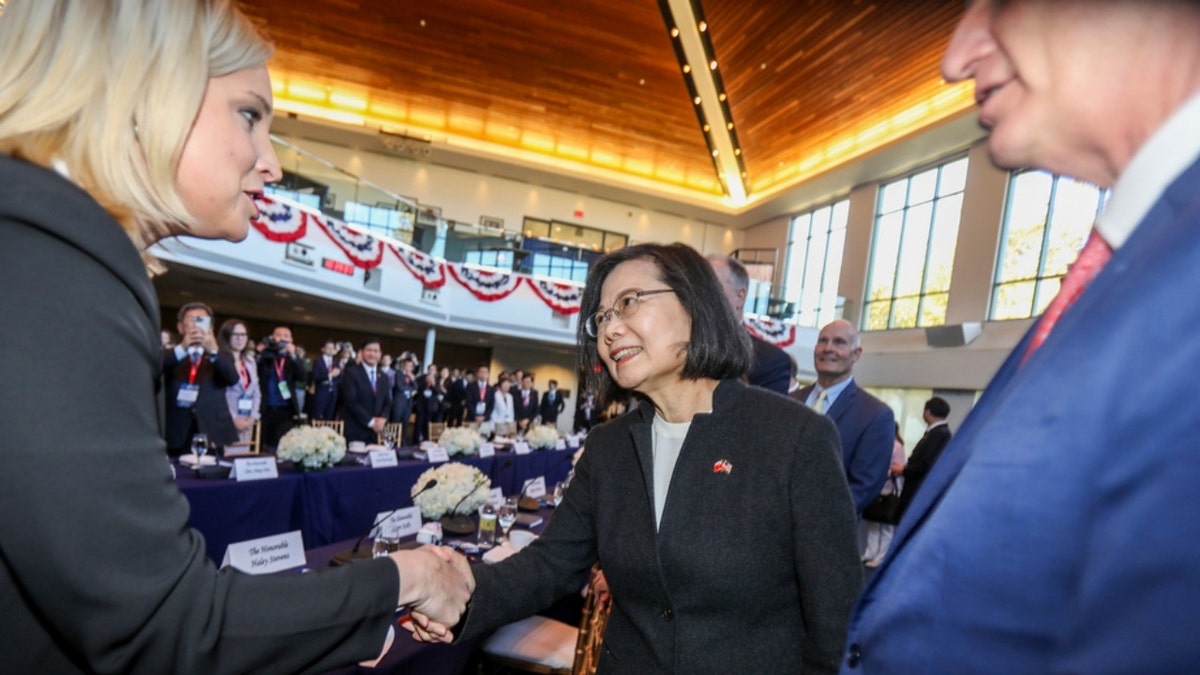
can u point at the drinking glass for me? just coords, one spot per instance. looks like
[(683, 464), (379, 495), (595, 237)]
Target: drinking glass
[(199, 448), (384, 544), (487, 524), (507, 515), (557, 495)]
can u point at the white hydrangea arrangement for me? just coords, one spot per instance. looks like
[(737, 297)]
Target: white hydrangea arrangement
[(455, 482), (460, 441), (312, 447), (542, 437)]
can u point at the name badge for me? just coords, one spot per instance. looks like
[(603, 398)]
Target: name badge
[(427, 393), (487, 450), (521, 448), (480, 408), (382, 458), (254, 468), (245, 406), (560, 444), (534, 487), (436, 455), (400, 524), (267, 554), (284, 392), (187, 395)]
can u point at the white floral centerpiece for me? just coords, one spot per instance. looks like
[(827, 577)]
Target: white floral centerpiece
[(457, 485), (460, 441), (542, 437), (312, 447)]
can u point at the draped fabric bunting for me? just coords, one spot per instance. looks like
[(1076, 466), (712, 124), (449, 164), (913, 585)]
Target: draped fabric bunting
[(486, 285), (363, 250), (427, 269), (563, 298), (777, 333), (280, 222)]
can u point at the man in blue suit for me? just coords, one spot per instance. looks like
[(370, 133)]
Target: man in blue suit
[(865, 424), (1059, 531)]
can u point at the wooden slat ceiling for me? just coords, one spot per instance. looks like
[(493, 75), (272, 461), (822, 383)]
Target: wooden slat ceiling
[(595, 84)]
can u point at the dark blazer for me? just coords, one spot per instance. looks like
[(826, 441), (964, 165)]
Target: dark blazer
[(360, 404), (456, 390), (292, 371), (404, 387), (325, 388), (551, 405), (471, 397), (522, 411), (926, 452), (1059, 530), (867, 428), (772, 367), (210, 413), (101, 571), (766, 550)]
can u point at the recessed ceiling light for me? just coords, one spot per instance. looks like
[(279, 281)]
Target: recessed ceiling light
[(703, 26)]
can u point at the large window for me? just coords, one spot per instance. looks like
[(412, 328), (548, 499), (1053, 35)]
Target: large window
[(816, 241), (1046, 220), (390, 219), (912, 252)]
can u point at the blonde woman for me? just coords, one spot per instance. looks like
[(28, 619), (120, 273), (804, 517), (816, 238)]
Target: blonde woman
[(123, 122)]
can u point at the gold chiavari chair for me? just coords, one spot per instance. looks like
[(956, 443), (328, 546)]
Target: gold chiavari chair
[(247, 448)]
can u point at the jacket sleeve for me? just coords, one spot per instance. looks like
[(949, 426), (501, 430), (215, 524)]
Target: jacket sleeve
[(872, 458), (352, 405)]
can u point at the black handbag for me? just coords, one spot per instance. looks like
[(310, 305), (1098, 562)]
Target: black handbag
[(885, 508)]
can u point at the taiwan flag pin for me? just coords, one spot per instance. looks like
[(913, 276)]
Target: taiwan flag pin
[(722, 466)]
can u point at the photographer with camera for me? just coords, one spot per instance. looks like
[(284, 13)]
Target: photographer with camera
[(278, 370)]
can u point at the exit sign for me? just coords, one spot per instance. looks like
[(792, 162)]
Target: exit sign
[(338, 266)]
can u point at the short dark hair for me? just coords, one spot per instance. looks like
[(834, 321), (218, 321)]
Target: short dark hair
[(189, 307), (938, 407), (369, 341), (718, 348)]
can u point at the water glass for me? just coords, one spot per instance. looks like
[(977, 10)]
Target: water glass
[(199, 448), (557, 495), (487, 525), (507, 515), (384, 544)]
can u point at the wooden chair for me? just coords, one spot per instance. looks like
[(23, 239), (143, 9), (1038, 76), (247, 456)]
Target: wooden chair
[(393, 429), (506, 429), (435, 430), (247, 448), (549, 647), (337, 425)]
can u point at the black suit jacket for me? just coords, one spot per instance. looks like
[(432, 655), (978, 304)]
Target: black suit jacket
[(211, 411), (522, 411), (360, 403), (927, 451), (552, 404), (100, 569), (766, 551), (471, 398), (772, 367)]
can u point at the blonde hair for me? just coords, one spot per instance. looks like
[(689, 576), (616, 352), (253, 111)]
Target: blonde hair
[(110, 89)]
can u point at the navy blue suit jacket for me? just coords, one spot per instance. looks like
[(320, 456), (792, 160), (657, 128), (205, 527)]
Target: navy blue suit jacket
[(360, 404), (867, 427), (1059, 531), (772, 367)]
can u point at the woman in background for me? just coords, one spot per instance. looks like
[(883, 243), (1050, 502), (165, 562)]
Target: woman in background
[(244, 397)]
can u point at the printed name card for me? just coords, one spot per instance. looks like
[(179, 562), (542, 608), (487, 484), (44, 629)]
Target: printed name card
[(382, 458), (496, 498), (400, 524), (573, 440), (267, 554), (535, 487), (561, 444), (487, 450), (521, 448), (254, 468), (436, 455)]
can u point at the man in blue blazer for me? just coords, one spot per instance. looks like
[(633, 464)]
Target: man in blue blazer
[(1059, 532), (866, 425)]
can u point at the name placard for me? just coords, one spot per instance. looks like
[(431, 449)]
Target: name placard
[(487, 450), (496, 498), (534, 487), (521, 448), (400, 524), (436, 455), (561, 444), (382, 458), (266, 555), (573, 440), (254, 468)]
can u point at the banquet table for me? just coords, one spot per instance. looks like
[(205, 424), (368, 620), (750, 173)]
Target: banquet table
[(334, 504)]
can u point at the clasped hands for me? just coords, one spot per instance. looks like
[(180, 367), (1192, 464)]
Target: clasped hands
[(435, 585)]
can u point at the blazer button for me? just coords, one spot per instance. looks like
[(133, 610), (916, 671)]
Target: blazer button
[(667, 615), (854, 656)]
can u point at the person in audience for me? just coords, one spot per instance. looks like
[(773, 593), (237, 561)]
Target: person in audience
[(928, 449), (244, 396), (865, 424), (324, 380), (480, 398), (552, 404), (879, 535), (426, 403), (168, 340), (503, 410), (366, 395), (303, 372), (195, 376), (278, 373), (456, 392), (755, 537), (404, 387), (587, 414), (525, 403), (121, 123), (1057, 532), (772, 366)]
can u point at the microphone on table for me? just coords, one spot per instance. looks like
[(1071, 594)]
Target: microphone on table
[(457, 523), (346, 556), (529, 503)]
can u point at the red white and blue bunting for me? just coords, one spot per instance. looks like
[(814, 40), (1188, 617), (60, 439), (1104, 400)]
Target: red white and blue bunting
[(363, 250), (280, 222), (486, 285), (428, 270), (562, 297), (777, 333)]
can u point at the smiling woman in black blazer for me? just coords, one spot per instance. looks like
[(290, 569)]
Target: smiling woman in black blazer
[(748, 562)]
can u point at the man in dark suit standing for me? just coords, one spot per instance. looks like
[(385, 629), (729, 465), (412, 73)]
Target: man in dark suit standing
[(404, 387), (324, 379), (525, 403), (456, 391), (195, 376), (552, 404), (927, 450), (479, 398), (772, 367), (866, 425), (366, 395), (278, 372)]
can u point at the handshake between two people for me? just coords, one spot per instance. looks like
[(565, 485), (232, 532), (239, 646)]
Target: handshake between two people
[(435, 584)]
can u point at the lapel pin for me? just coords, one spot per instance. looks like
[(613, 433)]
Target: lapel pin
[(722, 466)]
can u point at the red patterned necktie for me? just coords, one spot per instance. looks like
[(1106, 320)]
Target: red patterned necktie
[(1091, 260)]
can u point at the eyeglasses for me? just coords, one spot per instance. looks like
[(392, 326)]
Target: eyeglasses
[(237, 335), (624, 307)]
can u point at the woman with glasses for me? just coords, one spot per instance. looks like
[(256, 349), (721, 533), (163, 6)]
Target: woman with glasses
[(243, 397), (718, 511)]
